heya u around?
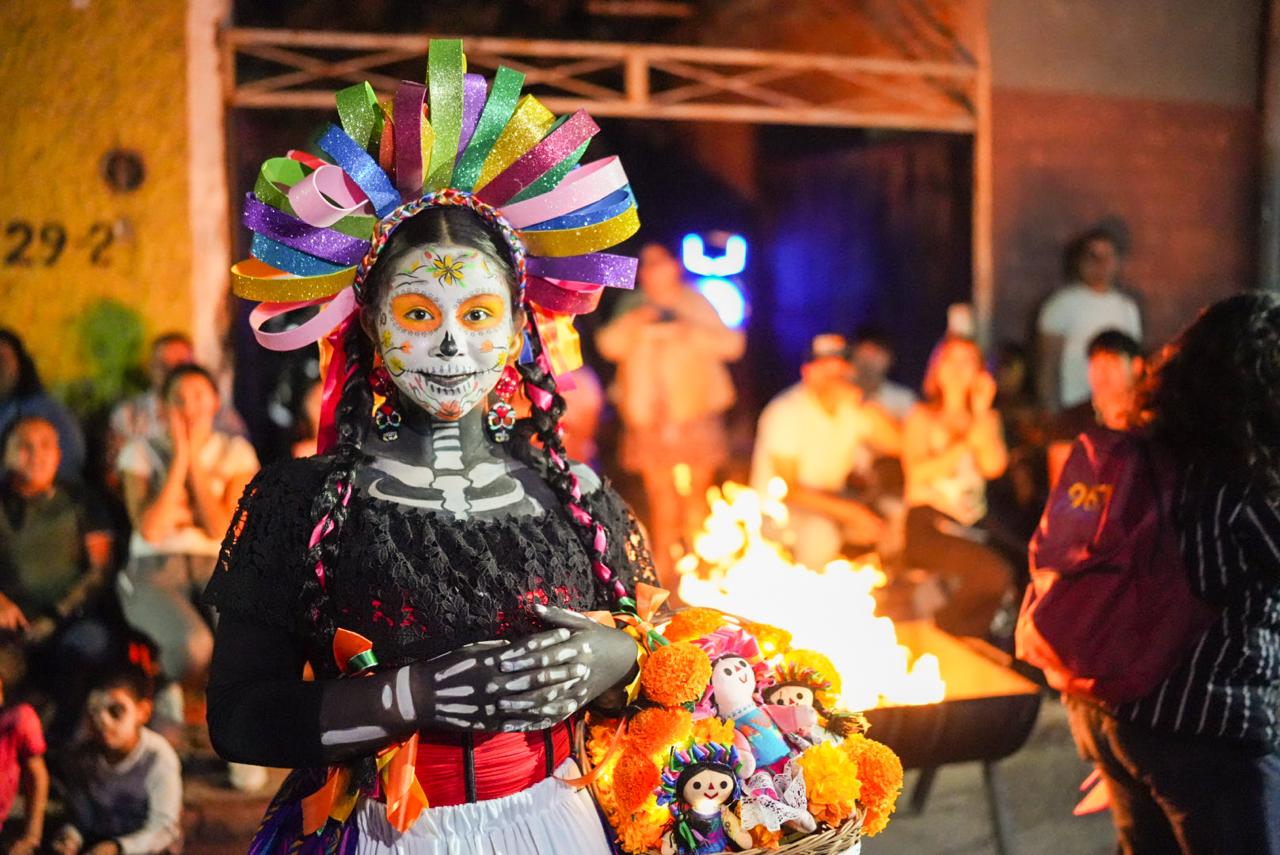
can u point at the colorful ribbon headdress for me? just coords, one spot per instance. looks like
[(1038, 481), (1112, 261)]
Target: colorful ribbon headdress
[(320, 222)]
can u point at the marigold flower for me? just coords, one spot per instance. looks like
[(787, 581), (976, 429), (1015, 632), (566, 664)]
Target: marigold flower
[(675, 674), (713, 729), (831, 779), (655, 730), (772, 639), (689, 624), (641, 833), (634, 780), (880, 775), (763, 838)]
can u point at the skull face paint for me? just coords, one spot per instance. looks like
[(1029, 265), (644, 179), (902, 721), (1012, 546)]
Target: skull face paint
[(445, 328)]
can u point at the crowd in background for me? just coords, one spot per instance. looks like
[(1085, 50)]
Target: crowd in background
[(102, 562)]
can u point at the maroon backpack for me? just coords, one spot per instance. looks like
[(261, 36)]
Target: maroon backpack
[(1109, 612)]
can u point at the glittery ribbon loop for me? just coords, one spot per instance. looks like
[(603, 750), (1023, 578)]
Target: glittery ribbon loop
[(602, 268), (498, 109), (329, 317), (583, 240), (325, 197), (359, 112), (362, 169), (409, 100), (323, 243), (445, 68), (533, 164), (255, 280), (583, 186), (528, 125), (606, 209), (275, 178), (563, 297), (308, 160)]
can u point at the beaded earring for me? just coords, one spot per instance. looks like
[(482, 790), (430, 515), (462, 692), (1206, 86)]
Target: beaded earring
[(387, 418), (502, 415)]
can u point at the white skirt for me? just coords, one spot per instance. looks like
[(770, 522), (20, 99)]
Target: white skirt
[(549, 818)]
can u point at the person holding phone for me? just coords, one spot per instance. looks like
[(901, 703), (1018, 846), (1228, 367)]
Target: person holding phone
[(953, 445)]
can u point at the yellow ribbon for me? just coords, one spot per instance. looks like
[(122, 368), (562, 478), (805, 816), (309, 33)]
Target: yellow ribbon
[(254, 280), (580, 241)]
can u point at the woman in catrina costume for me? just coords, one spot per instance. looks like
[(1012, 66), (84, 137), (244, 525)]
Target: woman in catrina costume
[(433, 563)]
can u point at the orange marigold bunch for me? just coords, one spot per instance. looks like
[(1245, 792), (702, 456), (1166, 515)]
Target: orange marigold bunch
[(831, 778), (693, 623), (599, 739), (654, 730), (880, 774), (642, 832), (675, 674), (634, 780)]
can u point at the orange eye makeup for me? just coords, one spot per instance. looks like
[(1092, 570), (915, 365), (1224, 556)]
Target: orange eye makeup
[(482, 312), (415, 313)]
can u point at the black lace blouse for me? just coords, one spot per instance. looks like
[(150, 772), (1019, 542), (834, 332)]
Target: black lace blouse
[(416, 583)]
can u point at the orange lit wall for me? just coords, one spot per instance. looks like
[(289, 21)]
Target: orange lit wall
[(79, 82)]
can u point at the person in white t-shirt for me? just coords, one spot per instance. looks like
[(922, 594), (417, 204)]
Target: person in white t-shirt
[(180, 491), (815, 436), (1073, 315)]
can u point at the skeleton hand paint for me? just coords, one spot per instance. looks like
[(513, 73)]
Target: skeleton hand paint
[(444, 328), (603, 656)]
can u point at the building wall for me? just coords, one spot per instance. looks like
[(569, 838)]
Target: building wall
[(1135, 111), (81, 79)]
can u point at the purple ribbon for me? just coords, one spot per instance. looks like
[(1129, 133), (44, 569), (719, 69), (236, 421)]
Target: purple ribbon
[(474, 91), (602, 268), (407, 112), (321, 242)]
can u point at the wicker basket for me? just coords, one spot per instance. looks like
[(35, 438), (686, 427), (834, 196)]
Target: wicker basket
[(845, 839)]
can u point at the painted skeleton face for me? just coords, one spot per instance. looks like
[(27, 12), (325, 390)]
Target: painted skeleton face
[(707, 791), (445, 328), (733, 683)]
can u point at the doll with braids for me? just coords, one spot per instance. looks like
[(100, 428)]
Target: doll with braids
[(437, 549)]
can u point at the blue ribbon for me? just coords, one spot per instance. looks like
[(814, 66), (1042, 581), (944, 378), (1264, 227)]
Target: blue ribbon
[(362, 169), (290, 260)]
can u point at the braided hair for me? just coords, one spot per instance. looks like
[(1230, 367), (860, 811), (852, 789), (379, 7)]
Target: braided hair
[(538, 438)]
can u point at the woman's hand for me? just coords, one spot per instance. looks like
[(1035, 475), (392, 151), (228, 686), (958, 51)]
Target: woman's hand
[(179, 438)]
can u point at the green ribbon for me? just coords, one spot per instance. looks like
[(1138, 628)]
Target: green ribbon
[(503, 96), (361, 662), (445, 67), (359, 112)]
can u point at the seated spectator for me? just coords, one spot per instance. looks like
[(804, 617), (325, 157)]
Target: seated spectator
[(952, 446), (22, 394), (22, 769), (180, 490), (55, 555), (1116, 367), (123, 786), (817, 436), (872, 358), (141, 416)]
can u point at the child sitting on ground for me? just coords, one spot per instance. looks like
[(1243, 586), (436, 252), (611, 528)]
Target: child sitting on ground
[(22, 768), (123, 787)]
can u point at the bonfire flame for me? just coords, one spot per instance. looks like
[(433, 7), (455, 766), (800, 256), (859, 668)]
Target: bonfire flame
[(736, 569)]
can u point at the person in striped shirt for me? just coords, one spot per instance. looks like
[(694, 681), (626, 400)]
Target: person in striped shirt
[(1195, 766)]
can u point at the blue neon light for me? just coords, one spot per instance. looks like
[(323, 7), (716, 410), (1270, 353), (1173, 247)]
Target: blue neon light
[(726, 298), (731, 262)]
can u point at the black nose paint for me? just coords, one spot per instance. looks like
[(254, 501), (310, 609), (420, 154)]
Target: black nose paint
[(448, 347)]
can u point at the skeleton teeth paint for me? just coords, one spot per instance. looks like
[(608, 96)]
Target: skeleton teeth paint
[(445, 327)]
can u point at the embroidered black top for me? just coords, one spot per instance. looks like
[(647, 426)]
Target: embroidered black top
[(1229, 687), (416, 583)]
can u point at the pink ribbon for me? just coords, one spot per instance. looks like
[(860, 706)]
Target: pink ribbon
[(583, 186), (563, 297), (534, 163), (408, 130), (326, 196), (340, 308)]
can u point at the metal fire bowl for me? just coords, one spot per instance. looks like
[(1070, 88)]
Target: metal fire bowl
[(987, 714)]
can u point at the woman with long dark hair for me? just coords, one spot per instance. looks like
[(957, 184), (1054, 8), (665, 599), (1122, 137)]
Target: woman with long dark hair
[(1193, 767), (433, 563)]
